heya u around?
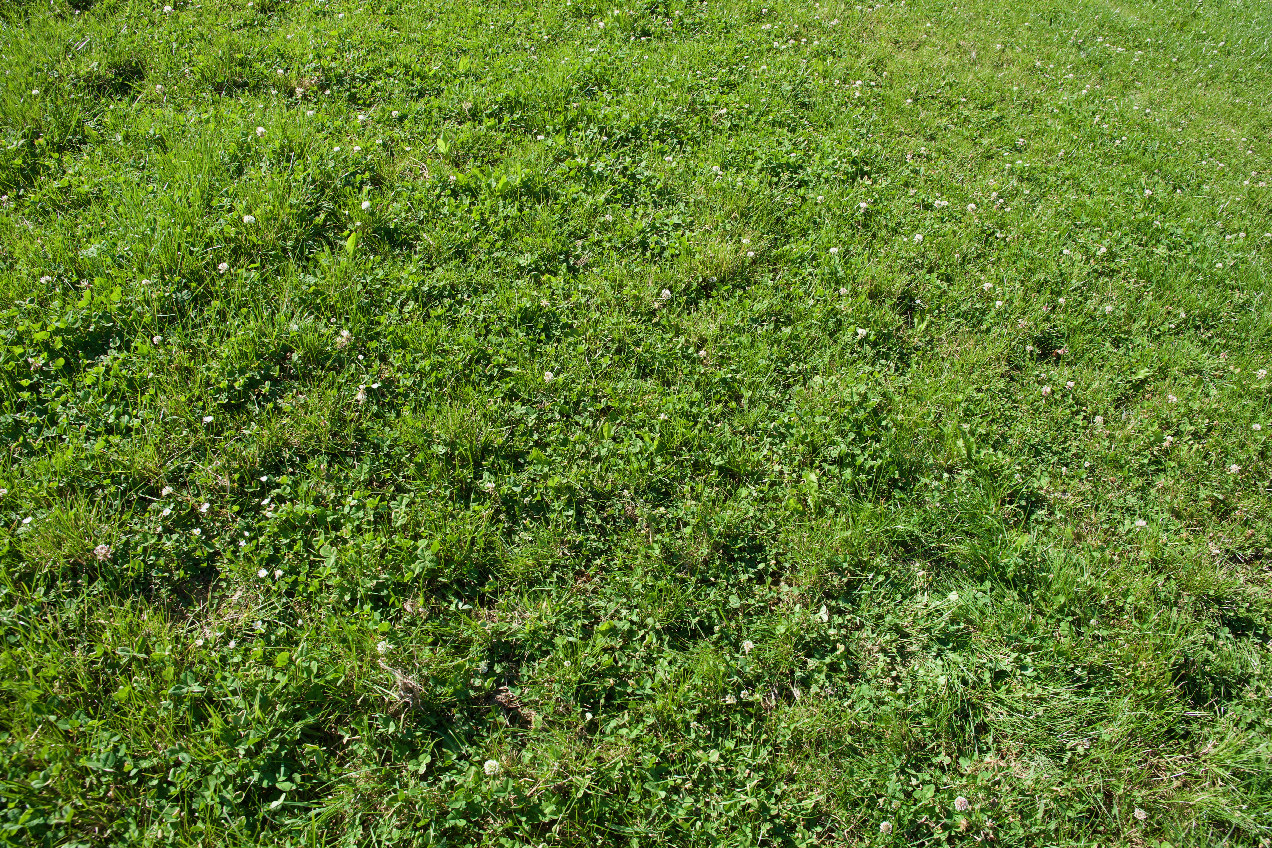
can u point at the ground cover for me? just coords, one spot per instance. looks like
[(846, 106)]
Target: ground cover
[(739, 423)]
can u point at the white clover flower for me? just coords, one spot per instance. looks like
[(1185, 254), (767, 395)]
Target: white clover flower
[(961, 804), (861, 332), (491, 767), (102, 552), (702, 354), (833, 251), (1103, 250), (382, 647), (843, 291), (666, 294), (260, 131), (45, 280), (998, 303), (249, 219), (1168, 441), (156, 339), (748, 646), (971, 207), (1139, 522), (1234, 468), (1069, 384), (885, 827), (1098, 420), (165, 491), (1046, 391), (1108, 310), (1256, 427), (490, 485), (987, 286), (207, 419), (263, 573), (1171, 399), (26, 520), (547, 376), (1261, 373), (366, 204), (918, 237), (167, 10), (1140, 814)]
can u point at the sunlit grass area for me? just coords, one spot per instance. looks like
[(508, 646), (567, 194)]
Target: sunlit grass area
[(686, 424)]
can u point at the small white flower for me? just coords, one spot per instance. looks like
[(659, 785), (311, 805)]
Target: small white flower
[(1046, 390), (998, 304), (156, 339), (861, 332), (263, 573), (366, 204), (1148, 192), (824, 614), (1234, 468), (382, 646), (1168, 441), (1103, 250), (491, 767), (165, 491), (748, 646), (918, 237), (1069, 384), (1098, 420), (1261, 373), (207, 419), (971, 207), (278, 572), (260, 131), (843, 291), (196, 532), (102, 552), (1062, 301), (987, 286), (204, 507), (167, 10), (961, 804), (702, 354), (1139, 522), (490, 485), (26, 520), (666, 294), (249, 219), (833, 251), (547, 376), (1140, 814), (885, 827), (1171, 399), (1256, 427)]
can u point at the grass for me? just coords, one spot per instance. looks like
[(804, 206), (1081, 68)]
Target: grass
[(652, 424)]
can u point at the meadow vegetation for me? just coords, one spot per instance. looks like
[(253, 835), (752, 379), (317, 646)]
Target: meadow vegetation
[(644, 423)]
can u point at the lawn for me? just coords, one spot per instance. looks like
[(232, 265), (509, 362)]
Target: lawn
[(661, 423)]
